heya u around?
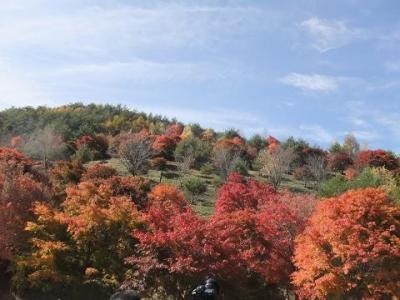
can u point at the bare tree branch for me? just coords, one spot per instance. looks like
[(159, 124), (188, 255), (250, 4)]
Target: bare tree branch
[(225, 161), (318, 167), (274, 164), (135, 154)]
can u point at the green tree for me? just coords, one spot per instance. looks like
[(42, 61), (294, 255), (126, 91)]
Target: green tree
[(195, 148)]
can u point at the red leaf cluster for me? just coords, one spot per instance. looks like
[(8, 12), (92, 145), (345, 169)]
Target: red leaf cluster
[(250, 236), (164, 145), (18, 190), (174, 132), (376, 158)]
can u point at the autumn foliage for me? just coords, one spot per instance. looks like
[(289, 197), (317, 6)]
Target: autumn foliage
[(249, 240), (79, 248), (98, 171), (14, 158), (376, 158), (77, 229), (350, 248), (18, 190), (98, 144)]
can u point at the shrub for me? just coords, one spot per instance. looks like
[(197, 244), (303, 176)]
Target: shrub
[(369, 177), (207, 169), (194, 187), (15, 158), (333, 186), (217, 181), (99, 171), (240, 167), (64, 173), (83, 154)]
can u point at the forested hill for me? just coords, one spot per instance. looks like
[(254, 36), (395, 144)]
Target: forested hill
[(75, 120), (94, 198)]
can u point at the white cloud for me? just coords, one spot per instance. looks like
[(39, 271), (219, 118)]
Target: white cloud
[(328, 35), (316, 133), (393, 66), (313, 82)]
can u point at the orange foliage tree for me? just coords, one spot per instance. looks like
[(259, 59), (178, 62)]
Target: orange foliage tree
[(78, 250), (18, 190), (273, 143), (350, 248), (164, 146), (14, 158)]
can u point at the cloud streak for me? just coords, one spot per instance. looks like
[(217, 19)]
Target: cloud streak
[(330, 34), (312, 82)]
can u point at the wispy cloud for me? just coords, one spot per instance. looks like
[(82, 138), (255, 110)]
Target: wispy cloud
[(378, 118), (393, 66), (330, 34), (108, 30), (87, 45), (316, 133), (149, 71), (313, 82)]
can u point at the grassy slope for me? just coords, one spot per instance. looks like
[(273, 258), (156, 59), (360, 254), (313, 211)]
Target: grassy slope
[(204, 204)]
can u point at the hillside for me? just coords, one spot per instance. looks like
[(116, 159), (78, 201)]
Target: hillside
[(94, 198)]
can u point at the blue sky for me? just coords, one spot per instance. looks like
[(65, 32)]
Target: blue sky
[(311, 69)]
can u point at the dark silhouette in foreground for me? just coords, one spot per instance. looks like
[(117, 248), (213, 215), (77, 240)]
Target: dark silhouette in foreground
[(125, 295), (207, 291)]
